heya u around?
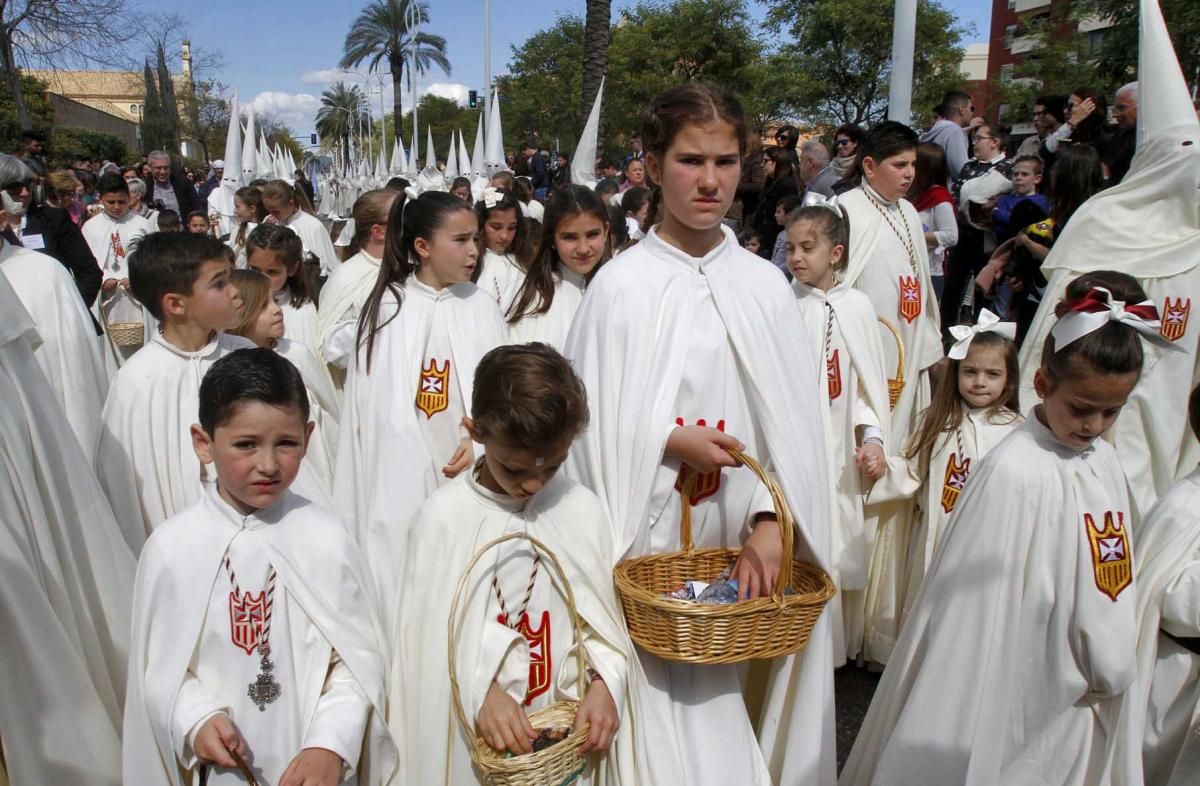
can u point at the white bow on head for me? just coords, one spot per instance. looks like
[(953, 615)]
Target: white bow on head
[(988, 323), (492, 197), (1097, 308)]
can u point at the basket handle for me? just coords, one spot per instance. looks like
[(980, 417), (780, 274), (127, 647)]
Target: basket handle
[(241, 765), (899, 346), (452, 638), (782, 513)]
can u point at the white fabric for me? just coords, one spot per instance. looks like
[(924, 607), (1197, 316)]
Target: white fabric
[(315, 238), (299, 324), (500, 274), (384, 468), (628, 344), (240, 250), (113, 258), (68, 350), (342, 299), (325, 641), (1074, 325), (988, 322), (325, 411), (144, 453), (552, 326), (458, 520), (940, 220), (66, 587), (1169, 600), (1014, 665)]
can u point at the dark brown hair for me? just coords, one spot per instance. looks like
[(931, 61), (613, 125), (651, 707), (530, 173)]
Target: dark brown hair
[(1113, 349), (522, 247), (537, 291), (931, 170), (282, 241), (252, 197), (1194, 411), (280, 190), (833, 223), (371, 208), (529, 397)]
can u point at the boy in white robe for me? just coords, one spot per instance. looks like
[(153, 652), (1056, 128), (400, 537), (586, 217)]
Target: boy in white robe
[(1017, 663), (515, 642), (112, 236), (1168, 576), (144, 449), (307, 643), (890, 264), (66, 586)]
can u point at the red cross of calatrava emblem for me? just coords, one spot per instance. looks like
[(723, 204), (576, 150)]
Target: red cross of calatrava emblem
[(433, 393), (910, 298), (539, 653), (707, 483), (833, 373), (1111, 560), (1175, 318), (955, 482), (247, 616)]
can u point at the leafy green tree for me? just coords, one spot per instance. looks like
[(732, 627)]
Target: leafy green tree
[(380, 35), (205, 117), (40, 113), (1117, 60), (153, 128), (67, 143), (1058, 63), (168, 100), (342, 108), (443, 115)]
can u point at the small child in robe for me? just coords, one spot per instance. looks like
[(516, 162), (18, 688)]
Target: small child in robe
[(277, 252), (111, 235), (514, 632), (505, 247), (254, 638), (143, 452)]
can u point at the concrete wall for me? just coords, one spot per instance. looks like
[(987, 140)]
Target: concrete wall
[(72, 114)]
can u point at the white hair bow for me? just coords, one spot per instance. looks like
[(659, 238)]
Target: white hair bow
[(813, 199), (492, 197), (988, 323), (1097, 308)]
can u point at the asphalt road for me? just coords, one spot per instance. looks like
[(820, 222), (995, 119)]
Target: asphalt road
[(853, 688)]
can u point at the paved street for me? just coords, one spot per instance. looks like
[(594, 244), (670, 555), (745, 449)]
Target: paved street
[(853, 688)]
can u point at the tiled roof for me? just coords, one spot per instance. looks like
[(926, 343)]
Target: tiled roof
[(96, 84)]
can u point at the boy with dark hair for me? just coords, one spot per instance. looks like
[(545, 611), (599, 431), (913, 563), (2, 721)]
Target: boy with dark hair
[(168, 221), (288, 680), (144, 452), (197, 222), (890, 264)]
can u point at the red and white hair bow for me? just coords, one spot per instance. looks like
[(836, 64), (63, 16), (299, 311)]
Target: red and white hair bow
[(1096, 309), (988, 323)]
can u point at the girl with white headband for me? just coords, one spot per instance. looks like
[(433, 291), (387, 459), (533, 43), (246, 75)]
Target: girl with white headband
[(1016, 662), (974, 408)]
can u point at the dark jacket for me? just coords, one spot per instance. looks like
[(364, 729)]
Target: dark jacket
[(764, 215), (184, 193), (63, 241), (538, 176)]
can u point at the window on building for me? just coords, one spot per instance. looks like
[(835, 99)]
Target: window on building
[(1006, 73), (1010, 33), (1012, 4), (1002, 113), (1095, 40)]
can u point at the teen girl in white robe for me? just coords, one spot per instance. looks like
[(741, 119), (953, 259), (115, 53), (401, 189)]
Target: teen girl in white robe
[(504, 244)]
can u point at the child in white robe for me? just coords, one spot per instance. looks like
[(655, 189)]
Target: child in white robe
[(890, 264), (420, 335), (284, 208), (254, 585), (574, 246), (975, 407), (841, 323), (514, 634), (143, 453), (505, 247), (261, 321), (680, 342), (111, 235), (1168, 577), (276, 252), (1018, 661), (248, 212)]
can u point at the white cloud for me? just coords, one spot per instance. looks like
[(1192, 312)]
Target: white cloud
[(327, 76), (298, 110), (452, 90), (371, 82)]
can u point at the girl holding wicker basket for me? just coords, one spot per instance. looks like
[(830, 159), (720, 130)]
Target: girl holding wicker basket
[(679, 343)]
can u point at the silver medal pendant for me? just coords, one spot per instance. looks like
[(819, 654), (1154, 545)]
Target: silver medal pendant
[(264, 689)]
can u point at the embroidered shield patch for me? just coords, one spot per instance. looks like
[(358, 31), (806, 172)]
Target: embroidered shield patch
[(247, 616), (434, 391), (910, 298), (1111, 560), (1175, 318), (955, 482), (707, 483), (833, 372), (539, 654)]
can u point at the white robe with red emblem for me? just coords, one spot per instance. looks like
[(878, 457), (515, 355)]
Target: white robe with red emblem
[(1016, 663), (663, 338), (195, 644), (387, 464)]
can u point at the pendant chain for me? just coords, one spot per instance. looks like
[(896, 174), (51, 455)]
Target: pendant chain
[(905, 237), (828, 332), (264, 689)]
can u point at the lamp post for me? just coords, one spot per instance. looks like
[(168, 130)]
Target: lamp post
[(412, 19), (904, 33)]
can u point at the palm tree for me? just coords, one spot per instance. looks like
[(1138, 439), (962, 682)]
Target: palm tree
[(342, 108), (596, 36), (381, 34)]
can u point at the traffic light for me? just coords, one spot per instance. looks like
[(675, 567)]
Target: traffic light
[(314, 140), (473, 99)]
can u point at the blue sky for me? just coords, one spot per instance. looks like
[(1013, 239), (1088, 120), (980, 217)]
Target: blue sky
[(283, 56)]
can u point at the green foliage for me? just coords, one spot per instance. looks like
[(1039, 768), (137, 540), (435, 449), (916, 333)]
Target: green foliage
[(443, 115), (341, 112), (205, 117), (67, 143), (168, 102), (1058, 63), (42, 115), (1117, 62)]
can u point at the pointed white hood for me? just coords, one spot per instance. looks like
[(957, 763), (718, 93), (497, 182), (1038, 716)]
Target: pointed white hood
[(493, 156), (249, 157), (452, 161), (265, 167), (430, 178), (583, 163), (397, 165), (477, 166), (413, 157), (220, 200), (464, 157)]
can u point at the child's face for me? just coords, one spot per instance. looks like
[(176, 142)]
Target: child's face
[(892, 176), (462, 192), (780, 215), (982, 375), (256, 453), (272, 265), (753, 246), (520, 472), (1025, 178), (1083, 406), (198, 225), (579, 242), (214, 303), (242, 211), (811, 257), (279, 209), (699, 174), (115, 204), (499, 229), (268, 328), (450, 254)]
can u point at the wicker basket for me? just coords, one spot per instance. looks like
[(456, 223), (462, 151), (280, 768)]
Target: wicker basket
[(690, 632), (557, 765), (896, 383), (127, 334)]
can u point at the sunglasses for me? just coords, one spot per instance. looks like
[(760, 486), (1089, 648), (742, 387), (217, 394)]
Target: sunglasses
[(842, 143), (15, 189)]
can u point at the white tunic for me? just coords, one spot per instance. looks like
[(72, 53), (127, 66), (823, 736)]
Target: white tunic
[(342, 299), (1015, 662), (144, 452), (299, 323), (316, 478), (500, 274), (315, 239), (196, 643), (551, 327), (240, 250), (68, 352), (112, 241)]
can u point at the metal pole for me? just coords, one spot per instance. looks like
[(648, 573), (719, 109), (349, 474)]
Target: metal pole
[(904, 33), (487, 60), (413, 22)]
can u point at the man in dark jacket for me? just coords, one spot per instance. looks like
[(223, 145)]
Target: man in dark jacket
[(172, 190)]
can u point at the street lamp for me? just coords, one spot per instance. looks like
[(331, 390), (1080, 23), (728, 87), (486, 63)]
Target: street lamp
[(412, 19)]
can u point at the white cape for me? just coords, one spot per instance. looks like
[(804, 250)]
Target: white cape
[(343, 296), (552, 326)]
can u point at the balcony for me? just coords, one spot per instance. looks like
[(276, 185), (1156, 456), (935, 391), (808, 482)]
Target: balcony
[(1023, 44), (1031, 5)]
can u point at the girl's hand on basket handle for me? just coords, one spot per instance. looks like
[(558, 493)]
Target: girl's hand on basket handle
[(757, 567), (504, 724), (313, 767), (702, 448), (599, 711), (216, 738)]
